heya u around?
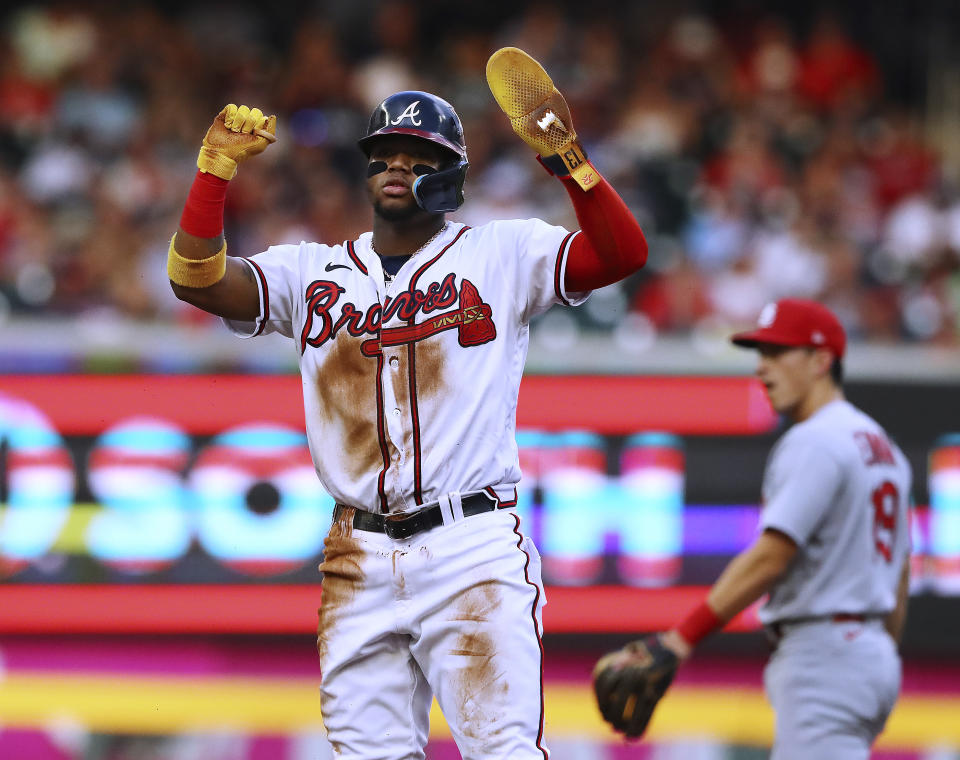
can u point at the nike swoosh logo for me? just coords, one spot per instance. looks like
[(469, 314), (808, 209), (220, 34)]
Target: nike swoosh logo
[(331, 266)]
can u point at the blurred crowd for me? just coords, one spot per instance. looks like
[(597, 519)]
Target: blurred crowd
[(763, 160)]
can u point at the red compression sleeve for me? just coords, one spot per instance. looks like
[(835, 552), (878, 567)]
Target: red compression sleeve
[(699, 624), (203, 211), (611, 245)]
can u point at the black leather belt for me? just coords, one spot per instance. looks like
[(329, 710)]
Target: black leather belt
[(404, 526)]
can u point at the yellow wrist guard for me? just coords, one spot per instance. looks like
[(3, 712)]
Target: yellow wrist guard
[(214, 162), (196, 273)]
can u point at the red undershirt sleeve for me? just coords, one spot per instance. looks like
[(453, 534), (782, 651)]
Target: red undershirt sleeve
[(611, 246), (203, 211)]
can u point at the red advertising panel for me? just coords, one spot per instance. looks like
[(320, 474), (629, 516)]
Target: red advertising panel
[(88, 404), (289, 609)]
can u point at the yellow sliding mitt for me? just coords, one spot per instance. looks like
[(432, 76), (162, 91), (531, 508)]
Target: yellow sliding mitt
[(539, 113)]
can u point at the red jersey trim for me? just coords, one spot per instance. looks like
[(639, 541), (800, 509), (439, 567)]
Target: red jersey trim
[(412, 374), (536, 625), (266, 296), (415, 422), (558, 268), (427, 265), (501, 504), (354, 258), (381, 437)]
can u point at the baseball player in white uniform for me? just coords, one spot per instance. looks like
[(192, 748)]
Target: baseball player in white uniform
[(832, 551), (412, 340)]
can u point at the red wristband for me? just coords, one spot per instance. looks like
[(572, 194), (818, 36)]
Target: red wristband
[(203, 212), (699, 624)]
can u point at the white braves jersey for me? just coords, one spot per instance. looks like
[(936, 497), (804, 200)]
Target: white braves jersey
[(410, 388), (840, 489)]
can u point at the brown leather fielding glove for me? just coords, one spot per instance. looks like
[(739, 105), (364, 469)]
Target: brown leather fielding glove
[(628, 683), (237, 133)]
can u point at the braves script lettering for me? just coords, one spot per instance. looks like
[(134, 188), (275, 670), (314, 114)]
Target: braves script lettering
[(322, 297)]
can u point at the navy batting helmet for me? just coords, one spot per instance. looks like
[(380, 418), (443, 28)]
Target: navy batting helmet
[(419, 114), (431, 118)]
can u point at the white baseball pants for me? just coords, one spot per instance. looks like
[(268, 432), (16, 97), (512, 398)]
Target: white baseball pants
[(453, 612), (832, 686)]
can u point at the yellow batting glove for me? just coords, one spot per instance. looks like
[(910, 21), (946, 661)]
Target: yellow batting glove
[(237, 133)]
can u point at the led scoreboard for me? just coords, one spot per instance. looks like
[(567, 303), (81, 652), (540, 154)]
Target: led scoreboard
[(194, 486)]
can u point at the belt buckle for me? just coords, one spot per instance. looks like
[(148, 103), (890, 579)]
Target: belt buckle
[(398, 528), (407, 526)]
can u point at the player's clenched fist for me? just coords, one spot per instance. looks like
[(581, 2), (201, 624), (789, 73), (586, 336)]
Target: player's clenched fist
[(237, 133)]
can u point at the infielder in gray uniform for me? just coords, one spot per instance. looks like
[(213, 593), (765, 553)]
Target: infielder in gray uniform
[(832, 552)]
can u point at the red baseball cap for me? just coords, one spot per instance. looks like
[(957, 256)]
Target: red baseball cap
[(794, 322)]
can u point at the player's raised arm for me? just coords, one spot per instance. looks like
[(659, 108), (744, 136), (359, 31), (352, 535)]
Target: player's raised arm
[(612, 245), (198, 267)]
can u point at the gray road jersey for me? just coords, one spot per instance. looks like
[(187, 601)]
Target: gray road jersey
[(840, 488)]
